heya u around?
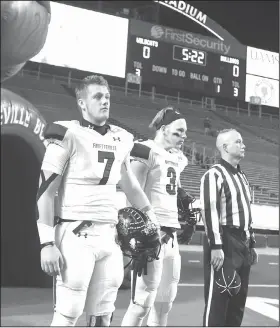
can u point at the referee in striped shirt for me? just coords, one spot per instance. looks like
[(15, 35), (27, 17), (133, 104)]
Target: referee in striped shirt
[(229, 241)]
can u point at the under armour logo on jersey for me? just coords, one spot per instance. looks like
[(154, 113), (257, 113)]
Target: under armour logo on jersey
[(90, 127), (117, 139)]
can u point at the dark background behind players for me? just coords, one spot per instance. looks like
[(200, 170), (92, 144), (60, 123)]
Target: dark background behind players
[(251, 29)]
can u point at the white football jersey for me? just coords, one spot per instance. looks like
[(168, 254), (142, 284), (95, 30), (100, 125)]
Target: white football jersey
[(90, 165), (164, 170)]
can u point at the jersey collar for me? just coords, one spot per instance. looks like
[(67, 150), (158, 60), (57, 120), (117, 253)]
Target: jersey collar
[(229, 167), (100, 129)]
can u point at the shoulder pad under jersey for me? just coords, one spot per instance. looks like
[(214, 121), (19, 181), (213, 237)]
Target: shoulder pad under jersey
[(154, 147), (117, 129), (123, 134), (140, 140), (55, 130), (183, 159), (140, 150), (147, 142)]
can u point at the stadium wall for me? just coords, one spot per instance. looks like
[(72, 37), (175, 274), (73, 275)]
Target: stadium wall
[(264, 217)]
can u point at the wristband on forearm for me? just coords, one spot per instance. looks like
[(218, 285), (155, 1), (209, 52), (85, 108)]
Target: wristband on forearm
[(49, 243), (218, 246)]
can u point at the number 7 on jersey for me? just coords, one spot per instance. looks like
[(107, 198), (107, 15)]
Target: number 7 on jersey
[(102, 155)]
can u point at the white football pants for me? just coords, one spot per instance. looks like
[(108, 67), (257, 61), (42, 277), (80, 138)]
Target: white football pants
[(156, 291), (93, 270)]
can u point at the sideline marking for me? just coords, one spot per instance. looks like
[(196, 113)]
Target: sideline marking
[(264, 306), (202, 285)]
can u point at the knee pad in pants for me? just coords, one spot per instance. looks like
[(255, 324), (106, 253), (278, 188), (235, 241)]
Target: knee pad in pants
[(73, 304), (159, 314), (61, 320), (135, 315)]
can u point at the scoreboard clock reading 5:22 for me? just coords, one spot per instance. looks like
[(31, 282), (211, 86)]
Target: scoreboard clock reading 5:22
[(186, 68)]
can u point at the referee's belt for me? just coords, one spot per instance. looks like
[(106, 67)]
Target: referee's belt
[(58, 220), (237, 231)]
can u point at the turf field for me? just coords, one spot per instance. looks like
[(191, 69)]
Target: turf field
[(33, 307)]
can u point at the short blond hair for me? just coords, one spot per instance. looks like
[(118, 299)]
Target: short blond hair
[(88, 80)]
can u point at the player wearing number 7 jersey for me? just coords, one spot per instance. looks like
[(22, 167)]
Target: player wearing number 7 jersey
[(158, 164), (83, 163)]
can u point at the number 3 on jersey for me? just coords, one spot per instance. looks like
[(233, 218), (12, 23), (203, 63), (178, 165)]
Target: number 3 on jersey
[(102, 155), (171, 187)]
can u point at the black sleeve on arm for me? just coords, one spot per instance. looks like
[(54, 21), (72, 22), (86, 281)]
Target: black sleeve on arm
[(140, 151), (55, 131)]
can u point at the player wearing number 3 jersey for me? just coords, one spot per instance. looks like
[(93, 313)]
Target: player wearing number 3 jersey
[(83, 163), (158, 164)]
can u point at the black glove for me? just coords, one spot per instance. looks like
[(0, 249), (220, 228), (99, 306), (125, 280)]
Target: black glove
[(167, 234), (187, 233), (187, 216), (184, 201)]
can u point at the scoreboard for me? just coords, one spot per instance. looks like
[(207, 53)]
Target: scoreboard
[(194, 63), (162, 56)]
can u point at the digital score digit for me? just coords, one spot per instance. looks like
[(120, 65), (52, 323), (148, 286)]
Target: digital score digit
[(189, 55), (234, 63)]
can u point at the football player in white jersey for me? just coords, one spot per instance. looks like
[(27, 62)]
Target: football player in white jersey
[(158, 164), (83, 163)]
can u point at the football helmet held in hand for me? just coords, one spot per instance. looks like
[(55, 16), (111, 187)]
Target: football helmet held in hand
[(188, 215), (137, 234), (139, 239)]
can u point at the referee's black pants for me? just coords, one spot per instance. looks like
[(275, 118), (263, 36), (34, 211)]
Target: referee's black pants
[(221, 309)]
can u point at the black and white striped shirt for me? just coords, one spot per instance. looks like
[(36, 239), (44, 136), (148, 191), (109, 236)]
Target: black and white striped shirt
[(225, 198)]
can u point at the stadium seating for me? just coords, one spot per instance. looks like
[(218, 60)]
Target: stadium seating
[(135, 113), (192, 175)]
